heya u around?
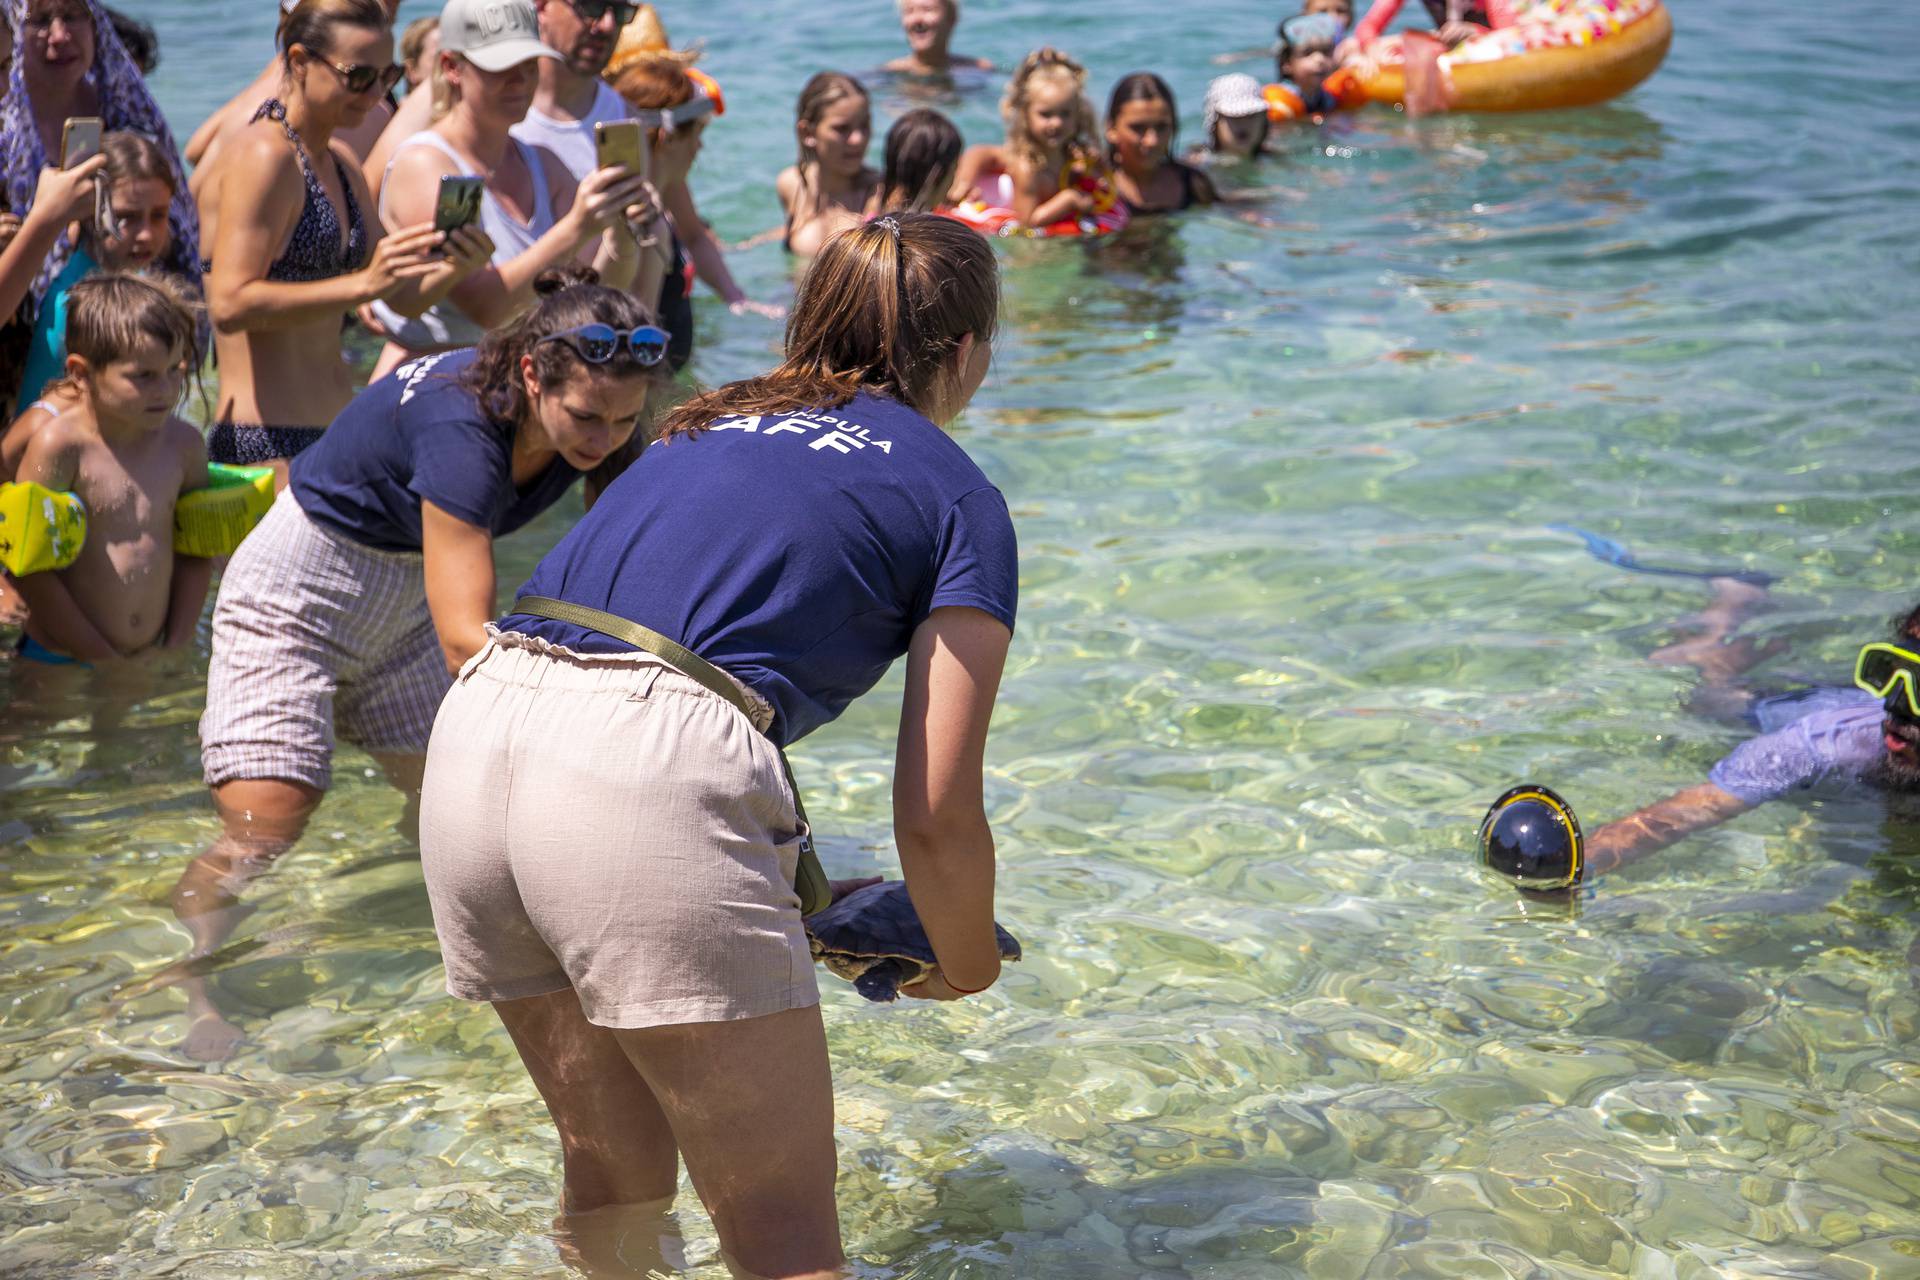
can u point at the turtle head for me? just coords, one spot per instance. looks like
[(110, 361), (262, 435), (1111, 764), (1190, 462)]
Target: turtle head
[(883, 979)]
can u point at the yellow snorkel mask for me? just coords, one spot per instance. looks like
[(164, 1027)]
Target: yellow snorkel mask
[(1882, 666), (1531, 837)]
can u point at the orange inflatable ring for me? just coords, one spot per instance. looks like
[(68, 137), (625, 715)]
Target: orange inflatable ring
[(1586, 53), (1283, 104), (994, 216)]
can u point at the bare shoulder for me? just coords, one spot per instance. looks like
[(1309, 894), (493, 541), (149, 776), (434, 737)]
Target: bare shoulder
[(185, 437), (257, 158), (420, 160), (54, 452), (787, 184)]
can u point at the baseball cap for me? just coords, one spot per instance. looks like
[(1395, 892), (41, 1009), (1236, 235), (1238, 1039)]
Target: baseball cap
[(492, 34)]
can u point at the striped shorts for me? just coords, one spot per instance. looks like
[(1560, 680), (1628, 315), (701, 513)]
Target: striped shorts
[(316, 636)]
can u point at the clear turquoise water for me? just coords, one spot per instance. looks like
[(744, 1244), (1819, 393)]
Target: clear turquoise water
[(1291, 617)]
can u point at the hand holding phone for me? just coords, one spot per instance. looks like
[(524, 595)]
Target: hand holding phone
[(623, 142), (80, 140), (458, 202)]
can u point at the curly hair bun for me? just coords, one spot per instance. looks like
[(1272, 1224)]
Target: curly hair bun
[(554, 279)]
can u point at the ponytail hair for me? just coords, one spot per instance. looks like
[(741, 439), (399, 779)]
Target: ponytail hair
[(310, 24), (568, 298), (881, 310), (923, 155)]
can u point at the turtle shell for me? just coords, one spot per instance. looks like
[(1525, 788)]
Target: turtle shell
[(873, 938)]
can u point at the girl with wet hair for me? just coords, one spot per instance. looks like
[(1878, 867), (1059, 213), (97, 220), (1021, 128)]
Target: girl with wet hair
[(1142, 122), (610, 838), (344, 615), (922, 160), (829, 184)]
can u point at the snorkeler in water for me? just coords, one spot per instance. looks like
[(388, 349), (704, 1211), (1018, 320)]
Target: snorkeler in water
[(1825, 736)]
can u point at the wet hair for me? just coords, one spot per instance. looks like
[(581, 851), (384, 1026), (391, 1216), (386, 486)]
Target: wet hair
[(310, 24), (568, 298), (1141, 86), (109, 312), (824, 90), (142, 45), (1050, 62), (653, 83), (882, 309), (413, 41), (1906, 626), (923, 147)]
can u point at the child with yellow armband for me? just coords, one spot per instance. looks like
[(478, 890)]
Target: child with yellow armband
[(125, 456)]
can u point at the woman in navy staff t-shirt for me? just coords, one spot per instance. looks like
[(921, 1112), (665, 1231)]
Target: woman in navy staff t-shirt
[(610, 846), (371, 580)]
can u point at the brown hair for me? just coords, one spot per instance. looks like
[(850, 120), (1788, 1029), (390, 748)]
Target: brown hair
[(109, 312), (823, 91), (881, 310), (310, 24), (1047, 61), (569, 297), (413, 41), (923, 148)]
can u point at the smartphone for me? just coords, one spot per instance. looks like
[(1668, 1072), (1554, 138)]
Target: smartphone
[(79, 140), (623, 142), (458, 203)]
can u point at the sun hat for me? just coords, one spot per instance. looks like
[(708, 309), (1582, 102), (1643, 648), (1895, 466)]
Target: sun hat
[(492, 34), (1232, 98), (646, 37)]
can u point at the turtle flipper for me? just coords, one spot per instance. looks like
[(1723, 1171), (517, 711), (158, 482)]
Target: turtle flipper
[(881, 982)]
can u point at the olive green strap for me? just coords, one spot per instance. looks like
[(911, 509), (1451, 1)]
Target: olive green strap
[(810, 880)]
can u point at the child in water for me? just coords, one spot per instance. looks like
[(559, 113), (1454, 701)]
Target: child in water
[(1304, 59), (128, 458), (1235, 116), (829, 185), (1050, 158), (1141, 123), (139, 190), (922, 159)]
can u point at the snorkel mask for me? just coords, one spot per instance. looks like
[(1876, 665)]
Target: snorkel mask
[(1531, 837), (1883, 667), (667, 119)]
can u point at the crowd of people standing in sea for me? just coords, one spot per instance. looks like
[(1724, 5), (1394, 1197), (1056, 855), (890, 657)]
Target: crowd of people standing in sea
[(612, 841)]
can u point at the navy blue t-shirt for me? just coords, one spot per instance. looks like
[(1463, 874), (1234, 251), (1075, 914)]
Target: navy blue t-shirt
[(418, 434), (796, 552)]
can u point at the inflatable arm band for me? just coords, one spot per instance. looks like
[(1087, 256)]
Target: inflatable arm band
[(40, 529), (210, 522)]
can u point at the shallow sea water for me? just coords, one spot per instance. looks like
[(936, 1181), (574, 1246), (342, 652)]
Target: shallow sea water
[(1291, 617)]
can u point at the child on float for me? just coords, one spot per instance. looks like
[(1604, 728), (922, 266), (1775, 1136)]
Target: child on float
[(1142, 122), (928, 26), (139, 193), (121, 450), (1050, 160), (922, 160), (1235, 120), (1303, 56), (830, 184)]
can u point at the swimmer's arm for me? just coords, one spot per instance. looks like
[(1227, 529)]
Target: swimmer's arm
[(709, 261), (54, 617), (460, 582), (1066, 203), (1658, 825), (187, 595), (976, 162), (939, 812)]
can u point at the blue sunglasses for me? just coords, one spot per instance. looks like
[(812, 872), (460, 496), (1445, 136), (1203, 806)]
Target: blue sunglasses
[(599, 343)]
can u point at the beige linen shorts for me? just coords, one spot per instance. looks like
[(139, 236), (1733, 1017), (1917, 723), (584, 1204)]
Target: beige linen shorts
[(604, 822), (316, 636)]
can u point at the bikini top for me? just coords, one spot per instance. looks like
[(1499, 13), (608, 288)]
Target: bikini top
[(314, 252)]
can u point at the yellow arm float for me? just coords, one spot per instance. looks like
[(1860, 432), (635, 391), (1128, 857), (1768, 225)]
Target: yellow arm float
[(40, 529), (210, 522)]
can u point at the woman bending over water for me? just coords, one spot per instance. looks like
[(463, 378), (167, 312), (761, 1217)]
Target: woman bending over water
[(345, 613), (610, 843), (295, 248)]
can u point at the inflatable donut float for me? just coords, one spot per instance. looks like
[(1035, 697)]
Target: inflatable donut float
[(1575, 54), (992, 214)]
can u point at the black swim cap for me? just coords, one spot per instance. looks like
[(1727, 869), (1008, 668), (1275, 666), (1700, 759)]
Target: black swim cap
[(1531, 836)]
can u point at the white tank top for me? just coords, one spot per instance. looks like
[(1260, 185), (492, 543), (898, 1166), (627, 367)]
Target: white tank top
[(445, 325), (572, 140)]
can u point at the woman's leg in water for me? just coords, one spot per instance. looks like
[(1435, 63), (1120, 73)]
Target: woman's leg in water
[(1717, 654), (628, 1102)]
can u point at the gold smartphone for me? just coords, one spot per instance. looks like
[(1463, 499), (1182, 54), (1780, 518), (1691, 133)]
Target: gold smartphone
[(623, 142), (80, 140)]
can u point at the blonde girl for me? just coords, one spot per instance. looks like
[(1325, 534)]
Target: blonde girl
[(829, 184), (1051, 157)]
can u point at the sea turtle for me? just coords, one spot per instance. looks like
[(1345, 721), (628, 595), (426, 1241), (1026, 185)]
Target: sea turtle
[(873, 939)]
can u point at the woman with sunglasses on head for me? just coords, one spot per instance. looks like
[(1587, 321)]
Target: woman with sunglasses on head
[(344, 615), (295, 248), (608, 831), (530, 207)]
